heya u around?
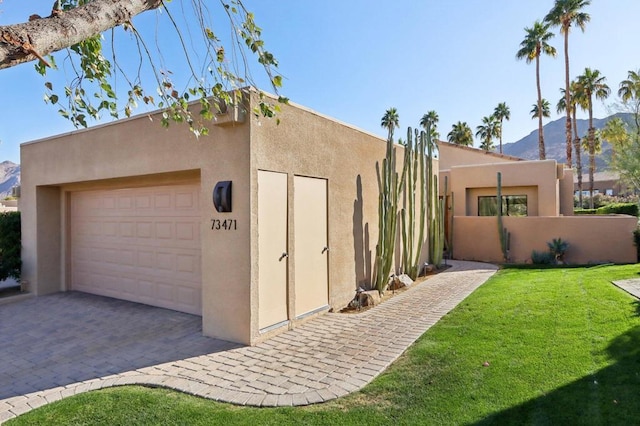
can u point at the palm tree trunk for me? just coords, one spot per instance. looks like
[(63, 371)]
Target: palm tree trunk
[(592, 154), (577, 149), (567, 96), (541, 150), (500, 136)]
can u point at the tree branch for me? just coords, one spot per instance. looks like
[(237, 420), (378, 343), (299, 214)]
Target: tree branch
[(35, 39)]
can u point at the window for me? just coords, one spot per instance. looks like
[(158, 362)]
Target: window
[(512, 205)]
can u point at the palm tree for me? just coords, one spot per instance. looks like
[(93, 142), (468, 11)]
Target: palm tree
[(487, 131), (429, 123), (575, 101), (629, 91), (460, 134), (546, 110), (390, 121), (535, 44), (501, 113), (591, 83), (564, 14)]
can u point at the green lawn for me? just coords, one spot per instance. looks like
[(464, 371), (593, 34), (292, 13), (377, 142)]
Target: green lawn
[(562, 347)]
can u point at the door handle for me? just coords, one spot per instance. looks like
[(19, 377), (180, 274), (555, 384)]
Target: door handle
[(325, 249), (283, 256)]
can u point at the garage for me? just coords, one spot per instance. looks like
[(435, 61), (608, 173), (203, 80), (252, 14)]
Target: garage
[(138, 244)]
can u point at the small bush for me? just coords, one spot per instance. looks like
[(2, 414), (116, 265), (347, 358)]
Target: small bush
[(542, 258), (10, 245), (584, 211), (557, 248), (619, 208)]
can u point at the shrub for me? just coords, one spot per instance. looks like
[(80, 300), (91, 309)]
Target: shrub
[(10, 244), (584, 211), (600, 200), (619, 208), (636, 241), (542, 257), (557, 248)]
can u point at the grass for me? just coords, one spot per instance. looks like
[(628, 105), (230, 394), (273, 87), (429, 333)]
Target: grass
[(552, 346)]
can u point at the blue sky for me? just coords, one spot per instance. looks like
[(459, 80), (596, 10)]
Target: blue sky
[(352, 60)]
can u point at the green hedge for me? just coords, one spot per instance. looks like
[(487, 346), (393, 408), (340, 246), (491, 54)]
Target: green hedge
[(584, 211), (615, 208), (619, 208), (10, 244)]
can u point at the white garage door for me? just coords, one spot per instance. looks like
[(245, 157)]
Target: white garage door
[(139, 244)]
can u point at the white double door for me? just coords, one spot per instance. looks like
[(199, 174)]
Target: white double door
[(310, 249)]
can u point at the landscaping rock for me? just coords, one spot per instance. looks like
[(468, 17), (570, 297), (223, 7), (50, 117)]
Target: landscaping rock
[(401, 281), (364, 299)]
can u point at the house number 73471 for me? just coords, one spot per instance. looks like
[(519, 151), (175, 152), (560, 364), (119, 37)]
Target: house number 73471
[(227, 224)]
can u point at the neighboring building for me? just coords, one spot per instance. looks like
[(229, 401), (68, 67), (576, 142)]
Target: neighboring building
[(537, 199), (607, 183), (126, 210)]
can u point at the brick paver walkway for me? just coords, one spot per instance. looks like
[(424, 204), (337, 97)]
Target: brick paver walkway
[(61, 345), (631, 286)]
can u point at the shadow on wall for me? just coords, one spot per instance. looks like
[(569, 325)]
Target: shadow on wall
[(602, 397), (362, 250)]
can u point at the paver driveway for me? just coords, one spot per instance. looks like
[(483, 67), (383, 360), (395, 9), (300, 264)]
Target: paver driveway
[(60, 345)]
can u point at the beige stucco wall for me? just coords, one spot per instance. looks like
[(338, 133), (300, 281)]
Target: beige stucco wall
[(139, 152), (306, 143), (592, 239), (537, 179), (549, 190), (451, 155), (566, 190)]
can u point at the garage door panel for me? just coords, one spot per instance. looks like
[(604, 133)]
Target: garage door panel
[(138, 244)]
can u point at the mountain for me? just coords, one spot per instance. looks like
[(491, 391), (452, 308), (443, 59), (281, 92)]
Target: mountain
[(554, 141), (9, 178)]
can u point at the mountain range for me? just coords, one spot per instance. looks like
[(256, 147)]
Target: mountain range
[(9, 178), (554, 141)]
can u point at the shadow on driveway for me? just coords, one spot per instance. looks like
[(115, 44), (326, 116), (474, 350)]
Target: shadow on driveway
[(65, 338)]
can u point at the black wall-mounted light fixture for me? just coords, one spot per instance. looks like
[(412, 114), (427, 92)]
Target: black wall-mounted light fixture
[(222, 196)]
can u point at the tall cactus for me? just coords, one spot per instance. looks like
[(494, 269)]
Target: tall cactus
[(414, 178), (390, 188), (448, 243), (503, 234), (435, 222)]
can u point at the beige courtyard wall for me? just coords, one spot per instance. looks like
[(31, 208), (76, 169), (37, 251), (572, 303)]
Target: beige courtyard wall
[(592, 239), (139, 152)]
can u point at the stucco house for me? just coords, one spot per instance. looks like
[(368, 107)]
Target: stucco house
[(537, 200), (257, 227), (607, 183)]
